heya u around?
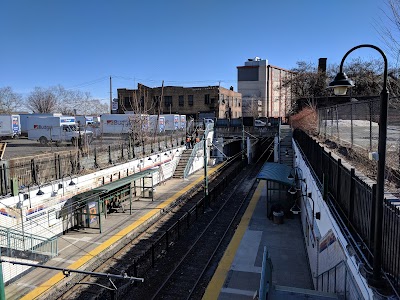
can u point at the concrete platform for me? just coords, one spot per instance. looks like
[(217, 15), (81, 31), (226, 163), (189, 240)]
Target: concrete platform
[(79, 247), (239, 272)]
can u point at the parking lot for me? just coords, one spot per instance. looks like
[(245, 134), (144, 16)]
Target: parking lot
[(22, 147)]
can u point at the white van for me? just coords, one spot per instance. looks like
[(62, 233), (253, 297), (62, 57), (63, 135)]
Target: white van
[(259, 123)]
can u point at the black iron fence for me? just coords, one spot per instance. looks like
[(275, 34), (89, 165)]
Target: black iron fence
[(352, 200), (355, 125), (177, 230)]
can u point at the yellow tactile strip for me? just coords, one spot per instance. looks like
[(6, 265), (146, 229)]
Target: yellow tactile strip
[(115, 238), (218, 280)]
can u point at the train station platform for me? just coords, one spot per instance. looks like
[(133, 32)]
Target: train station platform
[(78, 248), (238, 274)]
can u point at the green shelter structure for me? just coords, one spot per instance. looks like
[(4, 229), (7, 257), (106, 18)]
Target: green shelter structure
[(278, 183), (84, 210)]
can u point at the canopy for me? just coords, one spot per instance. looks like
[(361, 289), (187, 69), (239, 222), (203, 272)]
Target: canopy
[(126, 180), (276, 172)]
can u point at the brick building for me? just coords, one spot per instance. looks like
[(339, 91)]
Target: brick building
[(213, 101), (262, 88)]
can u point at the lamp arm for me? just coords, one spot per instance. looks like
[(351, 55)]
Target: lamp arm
[(385, 72)]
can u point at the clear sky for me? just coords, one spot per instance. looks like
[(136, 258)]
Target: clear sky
[(79, 44)]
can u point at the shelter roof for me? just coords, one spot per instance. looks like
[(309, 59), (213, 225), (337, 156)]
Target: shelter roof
[(276, 172), (124, 181)]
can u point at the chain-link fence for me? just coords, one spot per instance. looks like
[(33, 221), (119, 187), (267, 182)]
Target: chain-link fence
[(355, 125)]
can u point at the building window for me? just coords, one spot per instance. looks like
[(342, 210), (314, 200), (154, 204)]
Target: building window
[(127, 102), (207, 99), (190, 100), (168, 101), (181, 100)]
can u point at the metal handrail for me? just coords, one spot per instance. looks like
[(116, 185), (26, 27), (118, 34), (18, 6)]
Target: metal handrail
[(348, 280), (18, 240), (196, 148)]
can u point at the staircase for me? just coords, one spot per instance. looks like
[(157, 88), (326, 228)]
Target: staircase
[(180, 168), (285, 146)]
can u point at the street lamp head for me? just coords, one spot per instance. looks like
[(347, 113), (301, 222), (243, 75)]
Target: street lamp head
[(292, 190), (340, 84), (295, 209)]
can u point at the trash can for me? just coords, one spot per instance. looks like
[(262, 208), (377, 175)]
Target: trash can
[(278, 217)]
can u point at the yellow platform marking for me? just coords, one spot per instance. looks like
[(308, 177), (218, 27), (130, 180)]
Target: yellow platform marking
[(218, 280), (115, 238)]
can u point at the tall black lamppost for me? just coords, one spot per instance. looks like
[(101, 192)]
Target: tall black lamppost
[(340, 85)]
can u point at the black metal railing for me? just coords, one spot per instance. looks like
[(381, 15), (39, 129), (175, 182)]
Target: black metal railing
[(352, 201), (44, 168)]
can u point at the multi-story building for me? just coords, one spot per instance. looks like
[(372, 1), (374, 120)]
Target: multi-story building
[(212, 101), (263, 89)]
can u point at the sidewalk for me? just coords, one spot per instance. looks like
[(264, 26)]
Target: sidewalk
[(81, 246)]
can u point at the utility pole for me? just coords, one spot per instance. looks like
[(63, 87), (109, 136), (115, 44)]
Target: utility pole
[(110, 96)]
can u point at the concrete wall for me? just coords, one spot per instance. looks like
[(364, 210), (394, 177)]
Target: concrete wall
[(325, 243)]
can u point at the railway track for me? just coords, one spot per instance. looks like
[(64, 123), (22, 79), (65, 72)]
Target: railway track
[(184, 279), (152, 255)]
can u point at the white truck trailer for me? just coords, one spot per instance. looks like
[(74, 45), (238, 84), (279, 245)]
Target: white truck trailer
[(24, 120), (10, 126), (182, 122), (172, 122), (84, 120), (153, 124), (56, 129), (123, 123)]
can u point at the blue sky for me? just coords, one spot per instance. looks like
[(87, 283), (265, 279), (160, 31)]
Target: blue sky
[(79, 44)]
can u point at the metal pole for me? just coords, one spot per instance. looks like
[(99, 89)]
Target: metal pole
[(68, 272), (205, 162), (380, 186), (2, 289), (243, 142), (21, 203), (110, 95)]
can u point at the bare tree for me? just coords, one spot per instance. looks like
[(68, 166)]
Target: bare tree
[(93, 107), (251, 106), (307, 83), (70, 102), (390, 33), (42, 100), (9, 100), (67, 102)]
